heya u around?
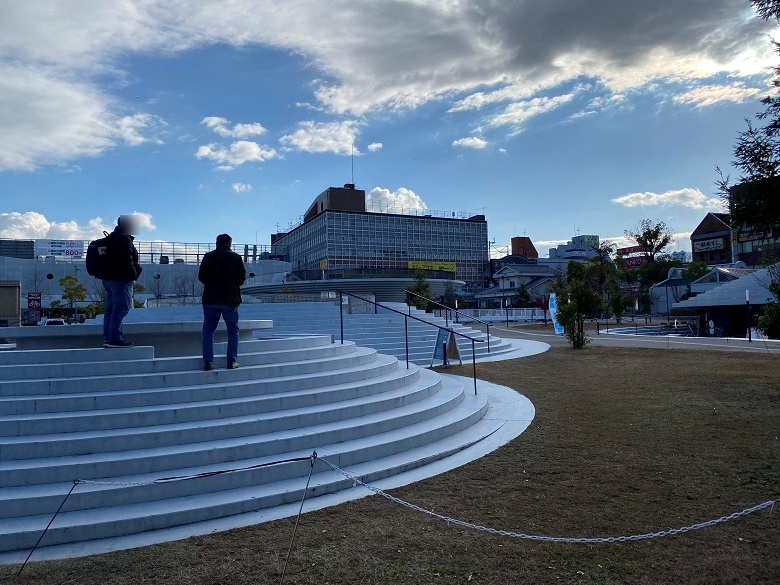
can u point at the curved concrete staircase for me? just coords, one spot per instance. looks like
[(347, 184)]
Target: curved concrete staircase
[(125, 420), (383, 330)]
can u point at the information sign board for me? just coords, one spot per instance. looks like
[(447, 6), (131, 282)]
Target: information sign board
[(65, 248)]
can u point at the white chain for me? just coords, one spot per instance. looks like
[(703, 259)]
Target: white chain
[(116, 483), (670, 532)]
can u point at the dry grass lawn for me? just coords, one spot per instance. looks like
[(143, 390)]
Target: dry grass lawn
[(625, 441)]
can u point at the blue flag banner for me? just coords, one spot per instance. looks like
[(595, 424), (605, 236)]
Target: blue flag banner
[(553, 311)]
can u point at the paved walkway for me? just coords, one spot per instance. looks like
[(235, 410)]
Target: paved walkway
[(534, 332)]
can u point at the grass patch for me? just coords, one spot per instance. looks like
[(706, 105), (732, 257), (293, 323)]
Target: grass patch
[(625, 441)]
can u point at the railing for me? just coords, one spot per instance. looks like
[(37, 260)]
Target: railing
[(446, 313), (504, 314), (406, 329)]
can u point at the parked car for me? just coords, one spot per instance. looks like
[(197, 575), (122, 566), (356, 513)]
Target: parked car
[(55, 322)]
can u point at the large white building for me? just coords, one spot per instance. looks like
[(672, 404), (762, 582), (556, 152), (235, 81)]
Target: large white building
[(339, 239)]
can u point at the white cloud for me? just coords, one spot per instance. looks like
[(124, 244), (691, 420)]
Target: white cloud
[(374, 147), (34, 225), (480, 99), (470, 142), (712, 94), (129, 128), (687, 197), (332, 137), (236, 154), (145, 220), (399, 201), (241, 187), (60, 62), (221, 126), (517, 114)]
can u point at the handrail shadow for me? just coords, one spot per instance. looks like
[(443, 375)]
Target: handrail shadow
[(406, 329)]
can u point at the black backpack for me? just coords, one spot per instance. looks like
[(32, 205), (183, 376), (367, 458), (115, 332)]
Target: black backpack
[(99, 258)]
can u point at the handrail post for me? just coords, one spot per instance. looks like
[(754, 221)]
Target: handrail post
[(474, 364), (406, 337), (488, 334), (341, 316)]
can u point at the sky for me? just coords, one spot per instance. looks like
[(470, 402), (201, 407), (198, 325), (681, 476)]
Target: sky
[(551, 118)]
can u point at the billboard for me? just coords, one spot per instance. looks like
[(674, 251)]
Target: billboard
[(631, 250), (62, 248), (707, 245), (431, 265)]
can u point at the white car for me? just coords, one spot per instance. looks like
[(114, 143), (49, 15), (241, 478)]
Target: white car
[(55, 322)]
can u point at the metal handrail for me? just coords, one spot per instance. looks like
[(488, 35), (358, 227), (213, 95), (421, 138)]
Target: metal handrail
[(485, 323), (406, 329)]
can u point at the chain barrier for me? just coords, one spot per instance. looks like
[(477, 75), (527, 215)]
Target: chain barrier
[(312, 458), (537, 537), (186, 477)]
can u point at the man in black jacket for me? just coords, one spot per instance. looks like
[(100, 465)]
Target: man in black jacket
[(125, 269), (222, 273)]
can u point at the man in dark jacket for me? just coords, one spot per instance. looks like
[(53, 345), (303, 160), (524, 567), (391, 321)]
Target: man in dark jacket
[(222, 273), (125, 269)]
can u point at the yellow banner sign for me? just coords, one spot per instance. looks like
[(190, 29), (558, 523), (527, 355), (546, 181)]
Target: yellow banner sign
[(324, 264), (426, 265)]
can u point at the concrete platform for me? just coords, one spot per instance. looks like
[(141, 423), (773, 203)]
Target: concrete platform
[(168, 338)]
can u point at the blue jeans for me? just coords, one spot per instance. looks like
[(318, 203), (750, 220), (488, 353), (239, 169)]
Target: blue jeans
[(211, 315), (119, 299)]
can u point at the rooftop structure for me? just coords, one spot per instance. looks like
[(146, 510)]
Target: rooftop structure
[(578, 248)]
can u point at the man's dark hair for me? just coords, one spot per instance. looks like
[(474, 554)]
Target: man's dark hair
[(224, 240)]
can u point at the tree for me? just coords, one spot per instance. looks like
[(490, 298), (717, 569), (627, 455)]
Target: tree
[(186, 285), (139, 289), (523, 297), (158, 286), (694, 271), (754, 202), (769, 322), (653, 238), (602, 270), (576, 301), (72, 291), (97, 295), (618, 302), (449, 298), (422, 288)]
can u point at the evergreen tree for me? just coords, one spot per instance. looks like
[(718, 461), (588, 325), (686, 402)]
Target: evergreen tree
[(423, 289), (755, 201), (576, 301)]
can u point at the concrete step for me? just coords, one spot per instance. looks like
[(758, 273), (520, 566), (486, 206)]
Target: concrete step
[(230, 418), (343, 357), (125, 509), (223, 384), (164, 459), (131, 421), (75, 364)]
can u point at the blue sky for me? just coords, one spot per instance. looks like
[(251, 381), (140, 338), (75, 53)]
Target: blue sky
[(552, 118)]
